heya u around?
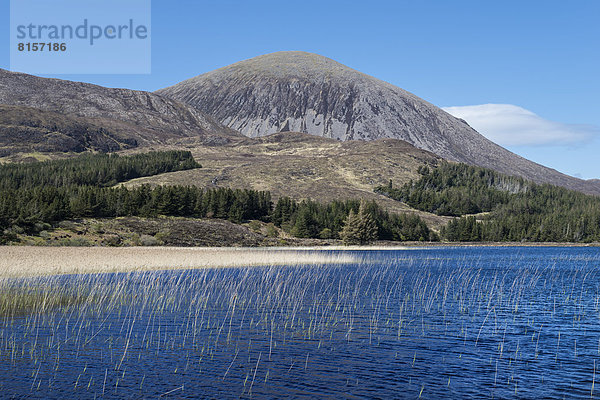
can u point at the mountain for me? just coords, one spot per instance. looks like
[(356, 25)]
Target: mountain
[(298, 91), (25, 130), (133, 116)]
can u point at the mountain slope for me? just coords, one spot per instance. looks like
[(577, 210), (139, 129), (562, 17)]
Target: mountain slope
[(27, 130), (303, 166), (297, 91), (145, 117)]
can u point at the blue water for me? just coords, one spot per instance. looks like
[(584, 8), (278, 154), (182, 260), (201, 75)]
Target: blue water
[(477, 322)]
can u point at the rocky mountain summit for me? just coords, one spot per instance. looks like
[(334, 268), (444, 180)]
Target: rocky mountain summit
[(304, 92)]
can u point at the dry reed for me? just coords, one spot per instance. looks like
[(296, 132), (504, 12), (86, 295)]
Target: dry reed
[(23, 261)]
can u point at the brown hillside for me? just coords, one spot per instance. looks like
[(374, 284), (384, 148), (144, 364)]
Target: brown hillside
[(304, 166)]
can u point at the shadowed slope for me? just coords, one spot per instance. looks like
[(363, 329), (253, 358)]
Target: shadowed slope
[(146, 117)]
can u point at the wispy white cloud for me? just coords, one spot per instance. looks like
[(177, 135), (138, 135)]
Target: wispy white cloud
[(510, 125)]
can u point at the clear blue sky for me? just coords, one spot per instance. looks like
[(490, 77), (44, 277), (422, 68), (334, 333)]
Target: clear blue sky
[(543, 56)]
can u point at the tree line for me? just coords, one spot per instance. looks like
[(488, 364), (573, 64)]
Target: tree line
[(453, 189), (508, 208), (93, 169), (310, 219), (305, 219), (27, 207), (82, 187)]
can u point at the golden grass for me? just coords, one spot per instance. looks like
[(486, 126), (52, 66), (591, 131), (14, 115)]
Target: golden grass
[(27, 261)]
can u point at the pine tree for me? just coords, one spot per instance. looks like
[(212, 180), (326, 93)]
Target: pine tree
[(359, 228), (350, 234), (304, 226), (368, 228)]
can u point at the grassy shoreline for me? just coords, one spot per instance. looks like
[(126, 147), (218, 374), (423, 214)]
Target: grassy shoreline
[(216, 233), (31, 261)]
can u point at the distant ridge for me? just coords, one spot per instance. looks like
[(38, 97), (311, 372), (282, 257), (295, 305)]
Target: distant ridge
[(299, 91), (134, 116)]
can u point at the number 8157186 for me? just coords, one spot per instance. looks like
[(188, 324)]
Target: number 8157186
[(42, 46)]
